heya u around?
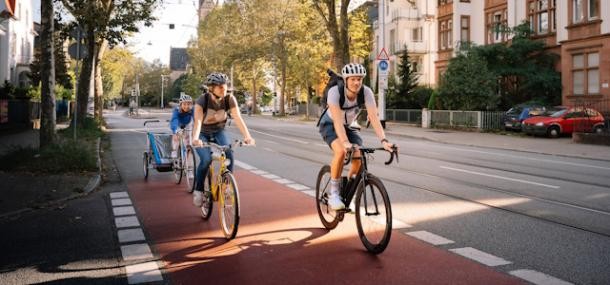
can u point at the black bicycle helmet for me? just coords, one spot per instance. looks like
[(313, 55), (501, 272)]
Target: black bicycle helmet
[(216, 78)]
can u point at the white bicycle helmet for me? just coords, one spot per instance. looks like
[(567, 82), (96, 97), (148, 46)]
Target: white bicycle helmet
[(353, 69), (185, 98)]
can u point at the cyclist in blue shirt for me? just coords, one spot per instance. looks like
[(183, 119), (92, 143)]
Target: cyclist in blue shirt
[(181, 116)]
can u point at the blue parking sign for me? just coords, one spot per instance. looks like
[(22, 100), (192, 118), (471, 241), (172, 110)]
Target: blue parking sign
[(383, 65)]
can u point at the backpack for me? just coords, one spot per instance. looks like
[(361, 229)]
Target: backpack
[(337, 80), (206, 99)]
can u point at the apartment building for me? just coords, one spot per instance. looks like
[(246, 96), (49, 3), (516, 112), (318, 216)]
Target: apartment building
[(16, 41), (577, 30)]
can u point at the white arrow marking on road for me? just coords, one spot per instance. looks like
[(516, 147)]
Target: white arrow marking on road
[(500, 177)]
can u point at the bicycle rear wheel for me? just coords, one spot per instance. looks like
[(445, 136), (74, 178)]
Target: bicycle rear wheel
[(177, 166), (206, 207), (190, 166), (228, 205), (329, 217), (373, 215)]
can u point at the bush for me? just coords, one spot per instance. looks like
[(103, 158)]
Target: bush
[(89, 129), (65, 156)]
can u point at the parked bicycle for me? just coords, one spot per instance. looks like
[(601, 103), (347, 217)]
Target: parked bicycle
[(372, 203), (184, 164), (220, 186)]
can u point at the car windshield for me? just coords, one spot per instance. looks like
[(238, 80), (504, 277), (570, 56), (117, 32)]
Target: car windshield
[(515, 110), (559, 113)]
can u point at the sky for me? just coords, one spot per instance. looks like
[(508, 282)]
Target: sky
[(154, 42)]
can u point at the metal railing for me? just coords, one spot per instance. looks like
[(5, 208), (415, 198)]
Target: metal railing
[(404, 115), (485, 120)]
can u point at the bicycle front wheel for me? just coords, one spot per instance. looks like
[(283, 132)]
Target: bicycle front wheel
[(190, 166), (329, 217), (177, 165), (228, 205), (145, 162), (373, 215)]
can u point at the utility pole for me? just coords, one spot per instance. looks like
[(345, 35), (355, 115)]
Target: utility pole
[(163, 77), (381, 89)]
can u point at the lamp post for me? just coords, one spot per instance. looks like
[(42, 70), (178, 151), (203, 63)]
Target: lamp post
[(163, 77)]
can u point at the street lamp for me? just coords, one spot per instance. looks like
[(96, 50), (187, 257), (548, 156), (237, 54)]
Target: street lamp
[(163, 77)]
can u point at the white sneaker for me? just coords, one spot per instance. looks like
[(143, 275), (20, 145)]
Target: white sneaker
[(334, 201), (174, 154), (197, 198)]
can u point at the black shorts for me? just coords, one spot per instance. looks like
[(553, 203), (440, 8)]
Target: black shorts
[(327, 131)]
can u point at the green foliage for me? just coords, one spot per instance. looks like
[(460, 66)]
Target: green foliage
[(90, 129), (405, 89), (468, 85), (433, 103)]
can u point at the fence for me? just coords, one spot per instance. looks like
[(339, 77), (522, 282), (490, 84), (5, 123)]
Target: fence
[(468, 119), (412, 116)]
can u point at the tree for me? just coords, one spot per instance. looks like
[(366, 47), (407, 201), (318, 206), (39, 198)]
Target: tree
[(407, 82), (337, 27), (62, 75), (47, 126), (105, 22), (117, 66), (468, 84)]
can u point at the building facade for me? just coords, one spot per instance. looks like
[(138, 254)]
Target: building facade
[(16, 42), (577, 30)]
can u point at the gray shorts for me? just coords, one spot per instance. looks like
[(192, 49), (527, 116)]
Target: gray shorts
[(327, 131)]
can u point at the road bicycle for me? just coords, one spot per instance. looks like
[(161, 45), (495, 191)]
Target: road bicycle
[(372, 203), (184, 165), (220, 186)]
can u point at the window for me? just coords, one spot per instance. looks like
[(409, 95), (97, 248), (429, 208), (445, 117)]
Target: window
[(584, 10), (541, 15), (496, 26), (392, 41), (444, 34), (416, 34), (465, 29), (585, 73)]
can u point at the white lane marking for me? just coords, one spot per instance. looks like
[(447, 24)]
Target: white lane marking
[(280, 137), (130, 235), (283, 181), (500, 177), (243, 165), (143, 273), (127, 222), (430, 237), (120, 202), (398, 224), (321, 145), (297, 186), (480, 256), (136, 251), (115, 195), (538, 278), (260, 172), (529, 158), (270, 176), (123, 211), (268, 149), (311, 193), (271, 142)]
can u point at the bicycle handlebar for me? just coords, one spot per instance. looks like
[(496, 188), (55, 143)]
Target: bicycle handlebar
[(150, 121), (223, 147), (393, 153)]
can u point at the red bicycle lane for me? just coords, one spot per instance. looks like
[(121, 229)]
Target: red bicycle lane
[(281, 241)]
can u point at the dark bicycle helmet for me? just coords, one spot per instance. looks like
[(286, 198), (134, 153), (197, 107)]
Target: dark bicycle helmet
[(216, 78)]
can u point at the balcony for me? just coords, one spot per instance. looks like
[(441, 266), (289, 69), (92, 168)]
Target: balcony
[(413, 47), (405, 14)]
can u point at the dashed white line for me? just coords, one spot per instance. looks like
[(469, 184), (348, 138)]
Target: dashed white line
[(115, 195), (260, 172), (269, 149), (283, 181), (480, 256), (126, 222), (130, 235), (123, 211), (121, 202), (297, 186), (311, 193), (430, 237), (538, 278), (243, 165), (136, 251), (499, 177), (143, 273), (270, 176)]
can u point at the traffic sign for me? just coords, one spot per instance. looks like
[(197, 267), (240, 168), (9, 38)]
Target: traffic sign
[(383, 55), (75, 53), (384, 67)]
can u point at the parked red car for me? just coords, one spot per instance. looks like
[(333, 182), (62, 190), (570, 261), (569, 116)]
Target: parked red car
[(565, 122)]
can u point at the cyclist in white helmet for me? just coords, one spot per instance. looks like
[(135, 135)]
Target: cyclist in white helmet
[(335, 125), (182, 116)]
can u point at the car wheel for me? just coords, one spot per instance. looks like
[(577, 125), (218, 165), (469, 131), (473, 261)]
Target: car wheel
[(553, 132), (598, 129)]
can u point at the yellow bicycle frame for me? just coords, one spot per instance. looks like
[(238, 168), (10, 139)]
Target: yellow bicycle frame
[(216, 177)]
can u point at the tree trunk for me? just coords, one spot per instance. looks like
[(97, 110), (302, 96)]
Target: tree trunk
[(84, 80), (254, 89), (47, 126), (339, 32), (99, 89)]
